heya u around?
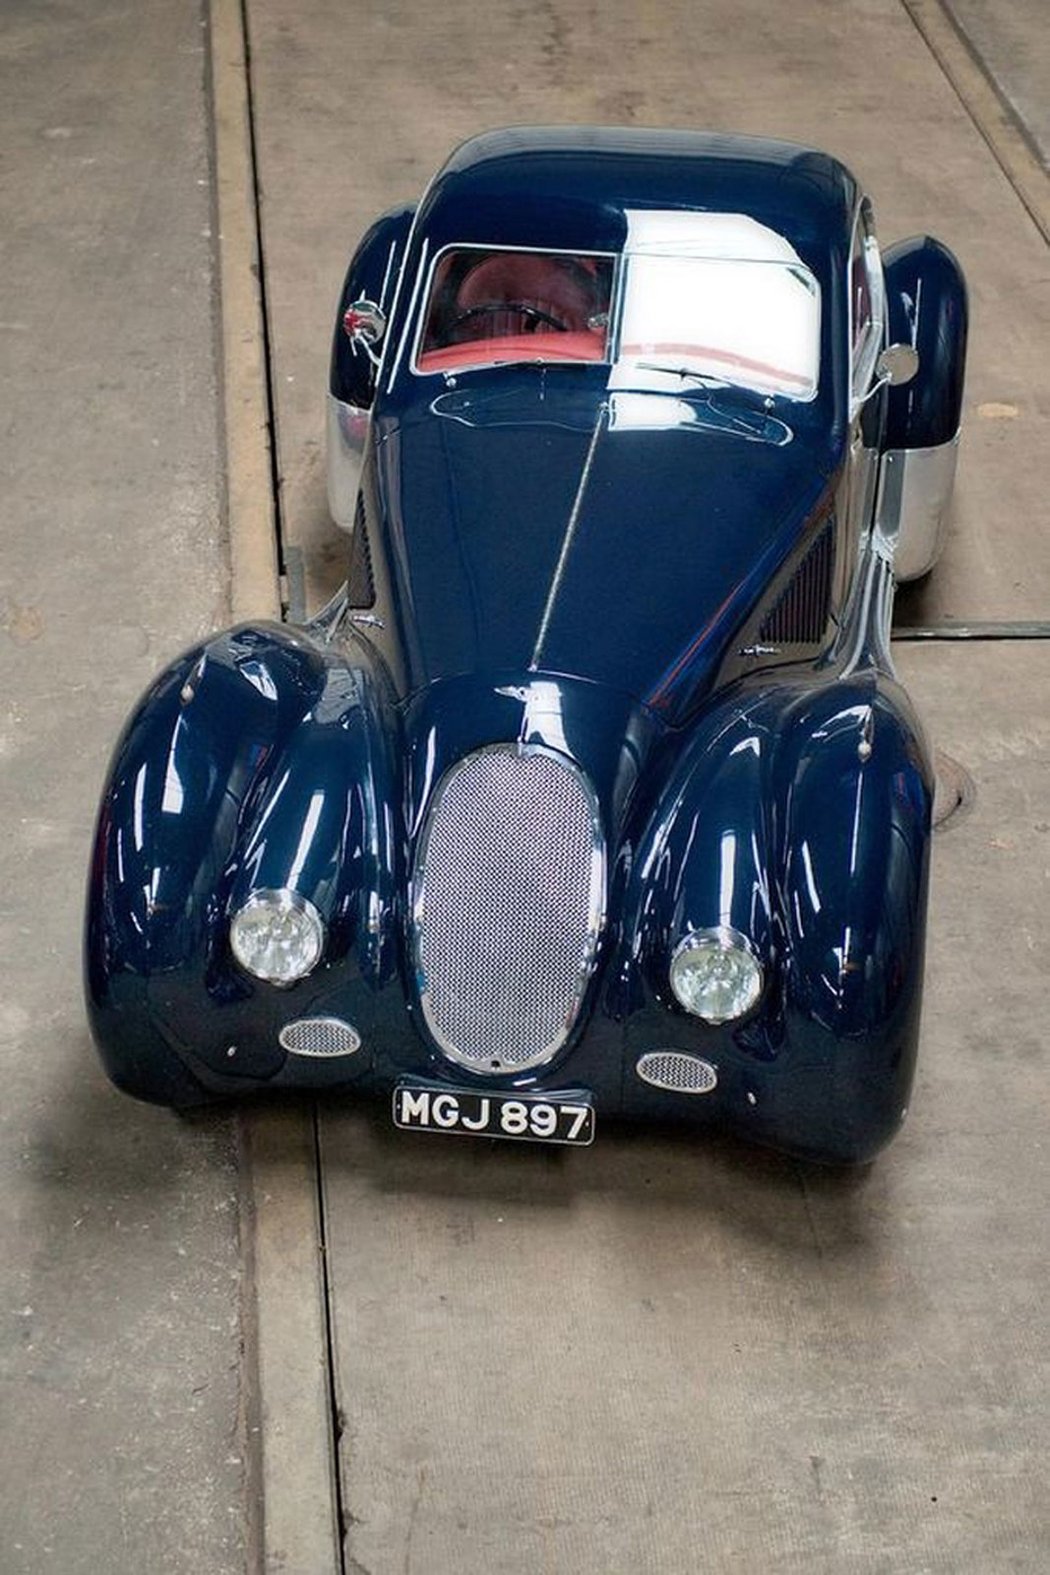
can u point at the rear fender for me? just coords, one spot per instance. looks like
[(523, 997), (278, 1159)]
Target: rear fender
[(371, 282), (373, 275), (927, 307)]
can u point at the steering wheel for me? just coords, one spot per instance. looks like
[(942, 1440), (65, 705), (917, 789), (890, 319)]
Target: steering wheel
[(534, 317)]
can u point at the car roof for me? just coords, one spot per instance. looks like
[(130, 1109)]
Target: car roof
[(571, 187)]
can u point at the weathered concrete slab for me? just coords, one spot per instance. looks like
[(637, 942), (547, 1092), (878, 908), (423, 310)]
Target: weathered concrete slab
[(666, 1355), (356, 109), (663, 1355), (658, 1354), (120, 1429), (1013, 43)]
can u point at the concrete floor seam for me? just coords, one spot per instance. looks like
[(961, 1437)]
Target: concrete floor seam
[(958, 27), (332, 1234), (992, 116), (248, 428), (250, 1418), (335, 1409), (657, 1355), (264, 304), (295, 1422), (975, 633)]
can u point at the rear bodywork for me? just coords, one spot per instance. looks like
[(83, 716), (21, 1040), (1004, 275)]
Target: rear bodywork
[(611, 667)]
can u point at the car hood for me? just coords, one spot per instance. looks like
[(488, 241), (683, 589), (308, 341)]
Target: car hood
[(619, 540)]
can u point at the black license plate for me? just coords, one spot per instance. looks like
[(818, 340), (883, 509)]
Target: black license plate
[(526, 1118)]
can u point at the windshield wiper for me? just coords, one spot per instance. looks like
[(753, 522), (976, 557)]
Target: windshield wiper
[(704, 379)]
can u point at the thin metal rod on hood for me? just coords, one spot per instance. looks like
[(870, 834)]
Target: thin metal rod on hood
[(566, 546)]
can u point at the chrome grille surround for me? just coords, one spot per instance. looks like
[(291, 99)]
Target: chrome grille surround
[(677, 1071), (319, 1036), (508, 904)]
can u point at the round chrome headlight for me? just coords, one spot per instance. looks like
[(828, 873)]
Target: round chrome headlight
[(716, 975), (277, 936)]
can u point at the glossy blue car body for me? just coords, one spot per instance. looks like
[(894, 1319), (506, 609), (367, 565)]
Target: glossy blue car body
[(677, 595)]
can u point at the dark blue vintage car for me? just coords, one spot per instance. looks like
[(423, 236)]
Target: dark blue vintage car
[(594, 793)]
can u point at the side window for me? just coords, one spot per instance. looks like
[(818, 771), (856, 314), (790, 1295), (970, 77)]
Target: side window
[(866, 295)]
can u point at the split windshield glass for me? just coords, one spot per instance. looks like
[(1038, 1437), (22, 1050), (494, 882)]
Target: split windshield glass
[(493, 306), (716, 298), (699, 299)]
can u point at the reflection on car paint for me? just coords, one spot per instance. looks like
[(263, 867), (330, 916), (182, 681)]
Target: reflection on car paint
[(662, 560)]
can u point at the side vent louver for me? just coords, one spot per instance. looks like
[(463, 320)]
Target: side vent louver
[(800, 615), (360, 584)]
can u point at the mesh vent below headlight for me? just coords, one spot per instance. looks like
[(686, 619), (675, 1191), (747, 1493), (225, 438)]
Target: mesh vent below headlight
[(677, 1071), (319, 1036)]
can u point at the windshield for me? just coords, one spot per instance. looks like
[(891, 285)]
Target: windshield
[(698, 298), (719, 298), (490, 305)]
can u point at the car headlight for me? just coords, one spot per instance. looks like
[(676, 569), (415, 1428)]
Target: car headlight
[(716, 975), (277, 935)]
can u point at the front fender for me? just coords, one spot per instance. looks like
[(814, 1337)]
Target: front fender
[(800, 816), (260, 759), (857, 805), (703, 859)]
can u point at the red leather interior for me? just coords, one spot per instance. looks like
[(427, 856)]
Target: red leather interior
[(553, 346), (531, 279)]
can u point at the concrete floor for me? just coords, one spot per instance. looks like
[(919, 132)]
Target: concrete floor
[(654, 1355), (1013, 42), (338, 144), (662, 1355), (657, 1355), (121, 1439)]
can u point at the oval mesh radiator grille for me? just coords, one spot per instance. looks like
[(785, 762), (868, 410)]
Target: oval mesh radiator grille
[(507, 907), (678, 1071)]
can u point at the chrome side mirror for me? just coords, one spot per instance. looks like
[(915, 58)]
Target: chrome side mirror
[(364, 325), (896, 365)]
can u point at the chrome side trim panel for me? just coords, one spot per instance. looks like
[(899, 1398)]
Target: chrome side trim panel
[(346, 430), (915, 489)]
